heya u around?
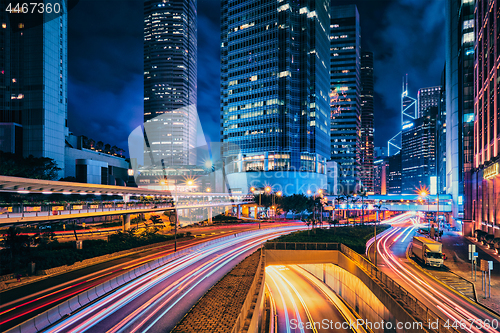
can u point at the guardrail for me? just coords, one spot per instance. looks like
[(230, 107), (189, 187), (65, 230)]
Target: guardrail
[(19, 210), (419, 310), (60, 311), (413, 304), (301, 246)]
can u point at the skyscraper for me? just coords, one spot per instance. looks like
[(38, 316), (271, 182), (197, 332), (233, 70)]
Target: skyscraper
[(345, 85), (170, 81), (33, 82), (484, 195), (459, 103), (428, 97), (366, 98), (418, 151), (274, 92)]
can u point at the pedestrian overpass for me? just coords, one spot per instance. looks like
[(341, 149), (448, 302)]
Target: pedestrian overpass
[(394, 202)]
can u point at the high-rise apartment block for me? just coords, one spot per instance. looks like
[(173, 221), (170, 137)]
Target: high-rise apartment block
[(345, 102), (33, 83), (275, 115), (170, 82)]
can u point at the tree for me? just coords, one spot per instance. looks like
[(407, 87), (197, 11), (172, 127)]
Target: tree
[(29, 167), (99, 145), (107, 147), (155, 219)]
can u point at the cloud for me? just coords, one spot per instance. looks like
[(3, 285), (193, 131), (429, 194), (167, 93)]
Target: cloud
[(408, 38)]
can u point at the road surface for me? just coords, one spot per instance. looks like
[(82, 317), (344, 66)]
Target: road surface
[(458, 311), (298, 303), (22, 303), (156, 301)]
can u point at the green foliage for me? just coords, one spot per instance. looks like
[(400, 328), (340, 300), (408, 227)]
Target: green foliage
[(29, 167), (51, 254), (353, 237)]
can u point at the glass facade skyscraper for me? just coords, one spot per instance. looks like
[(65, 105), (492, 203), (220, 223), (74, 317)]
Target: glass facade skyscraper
[(367, 121), (459, 89), (345, 86), (170, 81), (33, 83), (418, 151), (274, 90)]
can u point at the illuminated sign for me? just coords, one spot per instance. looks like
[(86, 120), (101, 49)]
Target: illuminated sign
[(460, 200), (409, 125), (490, 171), (433, 185)]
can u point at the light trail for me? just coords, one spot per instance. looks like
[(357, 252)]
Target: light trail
[(304, 305), (451, 309), (88, 317)]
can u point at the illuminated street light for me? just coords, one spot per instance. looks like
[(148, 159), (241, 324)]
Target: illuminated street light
[(252, 189), (308, 191), (208, 189), (279, 193), (268, 188)]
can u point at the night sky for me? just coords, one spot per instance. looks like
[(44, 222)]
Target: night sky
[(105, 42)]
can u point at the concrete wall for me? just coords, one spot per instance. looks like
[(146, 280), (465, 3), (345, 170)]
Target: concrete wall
[(393, 311), (353, 291)]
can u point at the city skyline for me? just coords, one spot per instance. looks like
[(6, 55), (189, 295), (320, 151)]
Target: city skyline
[(120, 88)]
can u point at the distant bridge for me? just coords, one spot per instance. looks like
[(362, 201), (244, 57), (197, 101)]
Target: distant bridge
[(396, 202)]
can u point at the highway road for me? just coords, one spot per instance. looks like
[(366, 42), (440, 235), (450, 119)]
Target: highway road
[(462, 313), (22, 303), (302, 303), (156, 301)]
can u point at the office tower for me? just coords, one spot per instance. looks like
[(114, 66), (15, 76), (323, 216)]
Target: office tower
[(441, 137), (418, 151), (380, 170), (409, 113), (428, 97), (345, 85), (170, 82), (459, 103), (394, 174), (485, 197), (33, 82), (274, 92), (366, 98)]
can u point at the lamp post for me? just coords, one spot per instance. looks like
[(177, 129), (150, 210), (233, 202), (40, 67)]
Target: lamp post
[(423, 194)]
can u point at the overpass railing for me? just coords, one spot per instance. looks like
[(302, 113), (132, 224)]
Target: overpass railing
[(48, 209), (420, 310)]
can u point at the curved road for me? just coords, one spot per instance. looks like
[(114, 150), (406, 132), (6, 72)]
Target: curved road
[(464, 314), (157, 300), (24, 302), (300, 304)]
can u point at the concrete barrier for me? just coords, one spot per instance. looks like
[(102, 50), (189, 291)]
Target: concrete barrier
[(53, 315), (28, 327), (92, 295), (41, 321), (73, 304)]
